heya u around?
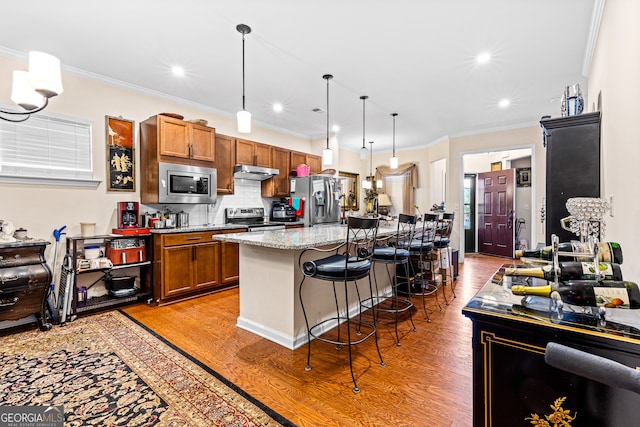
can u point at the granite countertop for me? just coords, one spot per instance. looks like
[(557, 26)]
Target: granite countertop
[(300, 238), (496, 301)]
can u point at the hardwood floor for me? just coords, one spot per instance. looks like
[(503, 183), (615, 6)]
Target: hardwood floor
[(426, 381)]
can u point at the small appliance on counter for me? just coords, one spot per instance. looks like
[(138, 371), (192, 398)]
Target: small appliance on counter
[(252, 218), (281, 211), (128, 220)]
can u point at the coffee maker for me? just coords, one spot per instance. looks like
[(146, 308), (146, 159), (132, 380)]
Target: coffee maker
[(128, 215), (128, 220)]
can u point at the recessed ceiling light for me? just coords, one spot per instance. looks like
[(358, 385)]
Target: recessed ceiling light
[(177, 70), (504, 103), (277, 107), (335, 128), (483, 58)]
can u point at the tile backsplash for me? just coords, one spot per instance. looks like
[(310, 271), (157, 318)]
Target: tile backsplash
[(247, 194)]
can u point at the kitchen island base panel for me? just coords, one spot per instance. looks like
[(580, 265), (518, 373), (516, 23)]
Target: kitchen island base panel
[(270, 300)]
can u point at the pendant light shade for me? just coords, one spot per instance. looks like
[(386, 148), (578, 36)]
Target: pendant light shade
[(31, 90), (244, 121), (363, 151), (393, 161), (327, 154), (244, 117)]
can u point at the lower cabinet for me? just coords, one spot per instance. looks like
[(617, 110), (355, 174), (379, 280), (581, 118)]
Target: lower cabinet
[(191, 264), (229, 262)]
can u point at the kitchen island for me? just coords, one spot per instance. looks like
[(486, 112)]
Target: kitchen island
[(270, 279)]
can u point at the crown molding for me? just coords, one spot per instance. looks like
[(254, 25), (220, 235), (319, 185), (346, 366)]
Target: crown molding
[(592, 39)]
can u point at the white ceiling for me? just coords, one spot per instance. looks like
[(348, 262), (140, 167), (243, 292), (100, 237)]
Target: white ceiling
[(412, 57)]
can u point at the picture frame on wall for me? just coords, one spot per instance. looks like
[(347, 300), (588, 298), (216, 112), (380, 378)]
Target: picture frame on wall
[(496, 166), (120, 136), (523, 177)]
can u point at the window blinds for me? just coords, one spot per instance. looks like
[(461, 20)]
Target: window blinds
[(46, 146)]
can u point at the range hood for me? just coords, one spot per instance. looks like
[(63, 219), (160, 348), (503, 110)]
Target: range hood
[(254, 173)]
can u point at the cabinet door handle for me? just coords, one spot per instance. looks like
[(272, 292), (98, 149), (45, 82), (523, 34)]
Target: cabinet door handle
[(194, 238), (189, 150), (7, 302), (6, 279)]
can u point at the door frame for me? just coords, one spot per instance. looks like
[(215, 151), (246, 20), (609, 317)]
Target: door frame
[(532, 222)]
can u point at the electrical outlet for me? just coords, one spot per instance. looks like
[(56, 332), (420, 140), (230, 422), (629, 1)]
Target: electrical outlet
[(611, 205)]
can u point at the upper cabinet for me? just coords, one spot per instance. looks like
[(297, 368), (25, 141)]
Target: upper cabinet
[(314, 162), (278, 186), (225, 161), (252, 153), (167, 139)]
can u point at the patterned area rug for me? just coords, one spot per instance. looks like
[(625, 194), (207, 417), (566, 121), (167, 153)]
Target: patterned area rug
[(109, 370)]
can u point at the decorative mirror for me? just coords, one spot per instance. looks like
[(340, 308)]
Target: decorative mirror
[(350, 186)]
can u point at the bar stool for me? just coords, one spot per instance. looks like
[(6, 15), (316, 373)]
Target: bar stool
[(442, 243), (425, 282), (390, 252), (351, 261)]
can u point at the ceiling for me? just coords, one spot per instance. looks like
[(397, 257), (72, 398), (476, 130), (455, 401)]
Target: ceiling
[(411, 57)]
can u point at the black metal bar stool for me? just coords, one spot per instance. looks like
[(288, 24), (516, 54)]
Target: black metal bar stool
[(350, 261), (423, 280), (442, 243), (390, 252)]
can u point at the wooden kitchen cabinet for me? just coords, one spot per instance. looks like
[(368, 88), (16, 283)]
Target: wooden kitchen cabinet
[(278, 186), (314, 162), (225, 161), (167, 139), (298, 158), (190, 264), (253, 153), (229, 262)]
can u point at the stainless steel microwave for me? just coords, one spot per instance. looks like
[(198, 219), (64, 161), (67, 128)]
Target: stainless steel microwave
[(186, 184)]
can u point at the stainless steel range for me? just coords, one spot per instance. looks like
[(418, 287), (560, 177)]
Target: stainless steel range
[(253, 218)]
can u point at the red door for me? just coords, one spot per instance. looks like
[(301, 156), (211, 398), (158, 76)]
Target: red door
[(496, 208)]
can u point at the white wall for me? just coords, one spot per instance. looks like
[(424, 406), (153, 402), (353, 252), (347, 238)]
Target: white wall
[(614, 82)]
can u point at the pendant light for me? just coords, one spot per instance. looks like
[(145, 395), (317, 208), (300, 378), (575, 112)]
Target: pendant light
[(244, 117), (31, 90), (363, 151), (393, 161), (327, 154)]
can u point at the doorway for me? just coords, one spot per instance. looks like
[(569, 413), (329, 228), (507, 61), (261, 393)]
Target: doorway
[(474, 163), (469, 213)]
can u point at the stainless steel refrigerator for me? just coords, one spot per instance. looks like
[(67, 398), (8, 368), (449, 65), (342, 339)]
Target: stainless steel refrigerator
[(320, 196)]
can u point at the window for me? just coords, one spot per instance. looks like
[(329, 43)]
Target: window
[(48, 148)]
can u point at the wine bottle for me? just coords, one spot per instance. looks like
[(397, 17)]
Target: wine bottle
[(607, 293), (607, 252), (570, 270)]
